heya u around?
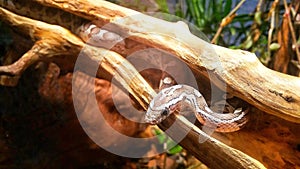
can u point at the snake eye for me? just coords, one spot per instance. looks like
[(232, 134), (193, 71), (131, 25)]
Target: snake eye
[(165, 112)]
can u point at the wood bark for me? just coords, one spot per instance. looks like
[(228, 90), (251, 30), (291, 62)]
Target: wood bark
[(245, 76), (268, 90), (217, 149)]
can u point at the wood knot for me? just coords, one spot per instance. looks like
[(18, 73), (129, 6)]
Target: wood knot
[(285, 97)]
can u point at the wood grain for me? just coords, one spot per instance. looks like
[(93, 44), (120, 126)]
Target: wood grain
[(272, 92)]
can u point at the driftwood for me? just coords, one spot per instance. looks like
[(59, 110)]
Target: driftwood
[(217, 149), (247, 78), (272, 92)]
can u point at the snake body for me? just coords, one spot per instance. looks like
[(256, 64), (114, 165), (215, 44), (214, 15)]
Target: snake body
[(172, 98), (165, 102), (47, 14), (83, 28), (93, 35)]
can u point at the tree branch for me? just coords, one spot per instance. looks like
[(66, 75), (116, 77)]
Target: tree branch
[(55, 41), (270, 91)]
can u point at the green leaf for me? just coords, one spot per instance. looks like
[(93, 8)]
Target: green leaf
[(179, 10), (274, 46), (232, 30), (227, 7), (162, 137), (163, 5), (257, 17), (172, 147), (248, 43), (175, 149)]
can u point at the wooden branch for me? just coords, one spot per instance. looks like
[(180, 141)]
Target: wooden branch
[(53, 42), (246, 77), (212, 152), (270, 91), (234, 158), (123, 72), (45, 48)]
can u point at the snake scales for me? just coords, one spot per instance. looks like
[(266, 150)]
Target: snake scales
[(165, 102), (37, 11), (175, 97), (87, 31)]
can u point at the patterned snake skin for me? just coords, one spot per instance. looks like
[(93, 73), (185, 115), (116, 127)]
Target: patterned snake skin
[(87, 31), (43, 13), (96, 36), (175, 97)]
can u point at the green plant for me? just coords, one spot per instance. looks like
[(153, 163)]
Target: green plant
[(253, 31), (170, 146)]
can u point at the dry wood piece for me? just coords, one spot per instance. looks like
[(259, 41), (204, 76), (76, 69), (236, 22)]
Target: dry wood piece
[(46, 45), (51, 38), (245, 77), (234, 158)]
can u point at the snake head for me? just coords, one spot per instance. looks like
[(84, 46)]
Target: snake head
[(157, 111), (162, 105), (156, 116)]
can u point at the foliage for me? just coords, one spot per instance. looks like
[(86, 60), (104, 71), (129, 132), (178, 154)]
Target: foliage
[(170, 145), (253, 27), (247, 31)]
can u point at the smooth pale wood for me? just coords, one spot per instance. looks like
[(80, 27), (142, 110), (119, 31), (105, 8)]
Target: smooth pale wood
[(212, 152), (52, 42), (272, 92), (124, 73), (245, 76)]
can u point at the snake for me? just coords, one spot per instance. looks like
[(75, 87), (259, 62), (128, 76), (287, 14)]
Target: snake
[(83, 28), (171, 99), (168, 99)]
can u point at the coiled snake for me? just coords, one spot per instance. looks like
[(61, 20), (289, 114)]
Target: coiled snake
[(172, 98), (167, 101)]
